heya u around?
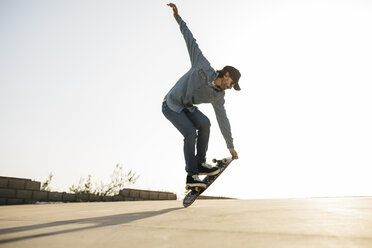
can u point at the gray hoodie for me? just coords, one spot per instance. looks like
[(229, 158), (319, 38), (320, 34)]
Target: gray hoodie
[(196, 86)]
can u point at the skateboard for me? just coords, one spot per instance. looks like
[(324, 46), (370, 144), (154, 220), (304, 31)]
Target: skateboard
[(195, 192)]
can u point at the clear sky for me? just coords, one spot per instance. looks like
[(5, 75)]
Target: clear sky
[(82, 82)]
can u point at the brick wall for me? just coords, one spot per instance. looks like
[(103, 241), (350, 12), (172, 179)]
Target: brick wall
[(146, 195), (23, 191), (206, 197), (18, 190)]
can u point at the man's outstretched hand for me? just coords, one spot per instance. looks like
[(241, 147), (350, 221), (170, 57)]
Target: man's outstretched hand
[(234, 154), (175, 10)]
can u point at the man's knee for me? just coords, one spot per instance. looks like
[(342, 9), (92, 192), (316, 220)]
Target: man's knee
[(205, 124)]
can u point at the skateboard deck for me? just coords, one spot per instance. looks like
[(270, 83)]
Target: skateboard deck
[(195, 192)]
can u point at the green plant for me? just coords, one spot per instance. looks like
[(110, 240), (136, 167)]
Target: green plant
[(46, 185), (84, 186), (117, 181)]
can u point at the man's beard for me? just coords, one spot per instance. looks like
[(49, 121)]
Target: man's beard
[(224, 85)]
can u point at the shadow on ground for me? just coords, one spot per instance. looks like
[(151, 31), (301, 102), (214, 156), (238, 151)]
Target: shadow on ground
[(97, 222)]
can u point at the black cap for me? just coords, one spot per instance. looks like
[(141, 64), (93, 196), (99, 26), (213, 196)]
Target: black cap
[(234, 74)]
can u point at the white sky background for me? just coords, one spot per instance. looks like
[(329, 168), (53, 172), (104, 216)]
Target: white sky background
[(82, 82)]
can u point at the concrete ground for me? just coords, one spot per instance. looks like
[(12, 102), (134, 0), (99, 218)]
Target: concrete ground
[(315, 222)]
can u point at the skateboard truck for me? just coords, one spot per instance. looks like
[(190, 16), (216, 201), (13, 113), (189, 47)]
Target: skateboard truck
[(224, 160), (197, 188)]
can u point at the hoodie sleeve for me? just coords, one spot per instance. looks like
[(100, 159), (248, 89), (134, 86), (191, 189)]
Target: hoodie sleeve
[(196, 56)]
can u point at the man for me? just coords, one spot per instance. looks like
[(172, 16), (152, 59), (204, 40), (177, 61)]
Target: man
[(201, 84)]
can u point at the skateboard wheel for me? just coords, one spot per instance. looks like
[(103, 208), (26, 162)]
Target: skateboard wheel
[(187, 187), (214, 160), (224, 160), (197, 189)]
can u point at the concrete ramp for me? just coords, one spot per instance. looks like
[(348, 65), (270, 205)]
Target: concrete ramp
[(315, 222)]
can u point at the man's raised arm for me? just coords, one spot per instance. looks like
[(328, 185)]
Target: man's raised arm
[(196, 56)]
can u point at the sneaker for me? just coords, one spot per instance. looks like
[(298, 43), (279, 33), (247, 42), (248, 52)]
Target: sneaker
[(194, 181), (207, 169)]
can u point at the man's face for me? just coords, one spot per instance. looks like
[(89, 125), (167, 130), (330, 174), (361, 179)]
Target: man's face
[(226, 82)]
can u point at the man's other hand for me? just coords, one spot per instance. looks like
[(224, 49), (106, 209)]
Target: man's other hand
[(234, 154)]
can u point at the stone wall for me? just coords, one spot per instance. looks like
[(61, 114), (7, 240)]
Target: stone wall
[(23, 191), (206, 197)]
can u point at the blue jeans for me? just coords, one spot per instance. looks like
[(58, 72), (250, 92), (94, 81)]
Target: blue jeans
[(195, 128)]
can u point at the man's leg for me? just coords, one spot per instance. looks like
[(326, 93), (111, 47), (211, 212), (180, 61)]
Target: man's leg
[(202, 124), (182, 122)]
